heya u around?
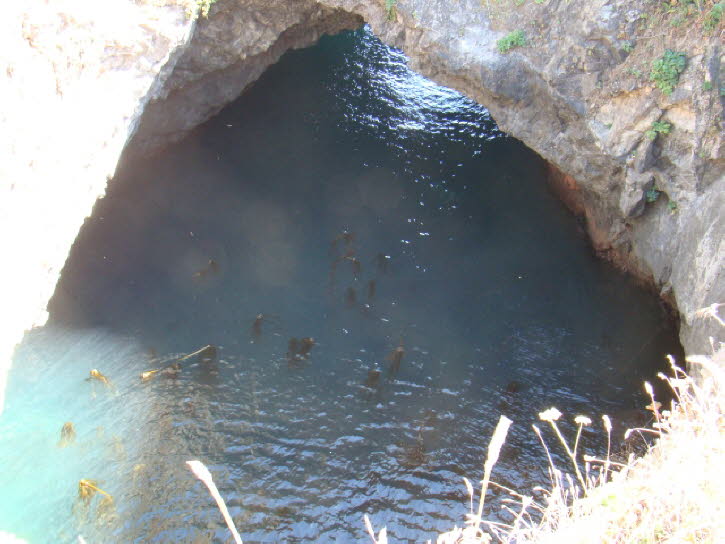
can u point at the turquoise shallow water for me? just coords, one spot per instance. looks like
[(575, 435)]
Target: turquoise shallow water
[(480, 275)]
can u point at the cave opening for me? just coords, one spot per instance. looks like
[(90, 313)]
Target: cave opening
[(347, 199)]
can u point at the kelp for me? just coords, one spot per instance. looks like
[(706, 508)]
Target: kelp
[(67, 435)]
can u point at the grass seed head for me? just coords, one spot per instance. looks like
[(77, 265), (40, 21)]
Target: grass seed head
[(550, 415), (607, 423)]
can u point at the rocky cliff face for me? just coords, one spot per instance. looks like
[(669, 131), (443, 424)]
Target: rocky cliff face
[(75, 78), (578, 93), (84, 80), (231, 48)]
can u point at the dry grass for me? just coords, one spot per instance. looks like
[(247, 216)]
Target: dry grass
[(202, 473), (674, 494)]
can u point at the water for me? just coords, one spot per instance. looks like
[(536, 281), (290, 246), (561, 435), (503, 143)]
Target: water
[(480, 275)]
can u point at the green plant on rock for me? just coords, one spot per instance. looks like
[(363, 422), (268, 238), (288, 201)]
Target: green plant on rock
[(681, 8), (651, 195), (658, 127), (667, 69), (672, 206), (194, 8), (517, 38), (390, 9), (714, 16)]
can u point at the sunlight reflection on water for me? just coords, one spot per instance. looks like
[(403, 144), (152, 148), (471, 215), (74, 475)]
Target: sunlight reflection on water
[(478, 274)]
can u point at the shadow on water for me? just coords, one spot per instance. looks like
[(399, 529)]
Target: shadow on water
[(382, 272)]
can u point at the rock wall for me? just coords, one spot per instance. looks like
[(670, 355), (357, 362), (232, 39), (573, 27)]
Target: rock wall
[(578, 94), (230, 50), (84, 80), (75, 77)]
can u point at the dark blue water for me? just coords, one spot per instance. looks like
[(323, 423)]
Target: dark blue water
[(480, 275)]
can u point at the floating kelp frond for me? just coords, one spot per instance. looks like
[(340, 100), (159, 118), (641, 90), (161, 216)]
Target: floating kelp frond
[(293, 347), (147, 375), (412, 455), (396, 357), (373, 379), (257, 326), (87, 489), (256, 329), (356, 266), (67, 435), (211, 269), (306, 344), (96, 375), (207, 354), (382, 262), (372, 288), (298, 350), (345, 236), (170, 370), (106, 510)]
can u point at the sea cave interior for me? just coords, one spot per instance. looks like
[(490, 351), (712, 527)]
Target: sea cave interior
[(380, 273)]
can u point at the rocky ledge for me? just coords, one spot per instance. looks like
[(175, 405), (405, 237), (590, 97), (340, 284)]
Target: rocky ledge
[(84, 81)]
